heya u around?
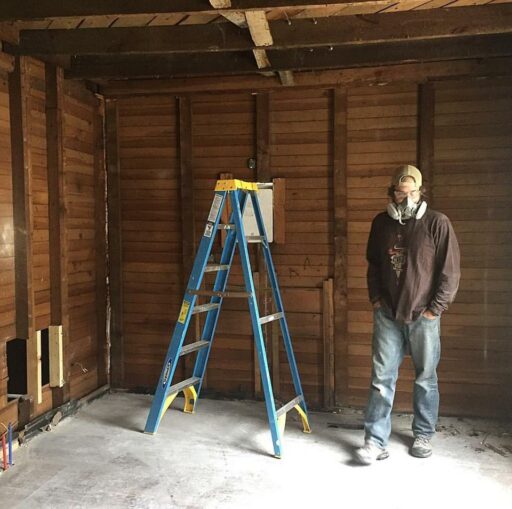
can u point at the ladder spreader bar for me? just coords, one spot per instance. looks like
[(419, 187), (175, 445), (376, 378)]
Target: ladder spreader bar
[(291, 404)]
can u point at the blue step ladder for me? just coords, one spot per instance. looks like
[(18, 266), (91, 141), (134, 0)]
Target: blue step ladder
[(237, 192)]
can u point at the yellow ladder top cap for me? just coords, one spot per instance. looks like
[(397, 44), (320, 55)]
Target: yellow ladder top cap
[(234, 184)]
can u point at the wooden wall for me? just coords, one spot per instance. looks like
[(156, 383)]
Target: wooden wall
[(336, 150), (52, 270)]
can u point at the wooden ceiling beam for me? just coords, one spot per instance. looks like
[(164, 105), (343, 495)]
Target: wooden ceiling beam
[(402, 73), (158, 66), (29, 10), (478, 20)]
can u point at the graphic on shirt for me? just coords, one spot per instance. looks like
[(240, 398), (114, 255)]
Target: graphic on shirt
[(398, 256)]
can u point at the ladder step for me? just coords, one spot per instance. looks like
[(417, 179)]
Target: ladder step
[(215, 268), (226, 226), (229, 292), (204, 307), (183, 385), (289, 405), (271, 318), (193, 347), (255, 238)]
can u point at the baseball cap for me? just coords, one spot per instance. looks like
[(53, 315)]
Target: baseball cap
[(406, 170)]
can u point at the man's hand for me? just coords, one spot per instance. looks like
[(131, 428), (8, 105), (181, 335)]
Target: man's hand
[(377, 304), (429, 315)]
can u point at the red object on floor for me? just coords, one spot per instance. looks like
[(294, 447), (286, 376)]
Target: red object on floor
[(4, 452)]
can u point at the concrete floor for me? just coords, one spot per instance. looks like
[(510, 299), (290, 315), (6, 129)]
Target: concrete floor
[(221, 457)]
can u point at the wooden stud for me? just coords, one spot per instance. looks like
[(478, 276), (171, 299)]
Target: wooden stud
[(115, 243), (263, 175), (19, 95), (22, 193), (100, 243), (328, 339), (426, 111), (339, 185), (279, 210), (38, 370), (57, 217), (56, 356)]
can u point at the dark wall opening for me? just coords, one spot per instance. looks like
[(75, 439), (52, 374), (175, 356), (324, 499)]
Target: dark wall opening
[(17, 367), (45, 357)]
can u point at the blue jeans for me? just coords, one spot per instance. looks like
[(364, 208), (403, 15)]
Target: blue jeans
[(391, 340)]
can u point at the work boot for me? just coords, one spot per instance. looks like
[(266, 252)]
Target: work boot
[(421, 448), (370, 453)]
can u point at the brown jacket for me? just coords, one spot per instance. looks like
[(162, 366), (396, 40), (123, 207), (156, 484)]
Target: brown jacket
[(413, 267)]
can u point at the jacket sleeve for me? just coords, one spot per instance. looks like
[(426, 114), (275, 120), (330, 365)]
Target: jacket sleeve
[(373, 258), (447, 267)]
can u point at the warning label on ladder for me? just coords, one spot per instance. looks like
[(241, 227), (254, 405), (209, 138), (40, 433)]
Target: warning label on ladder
[(184, 310), (214, 211)]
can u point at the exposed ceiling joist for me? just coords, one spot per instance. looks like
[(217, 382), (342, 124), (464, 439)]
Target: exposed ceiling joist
[(301, 33), (401, 73), (259, 28), (157, 66), (28, 10)]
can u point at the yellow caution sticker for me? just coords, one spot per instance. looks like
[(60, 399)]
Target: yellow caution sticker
[(183, 311)]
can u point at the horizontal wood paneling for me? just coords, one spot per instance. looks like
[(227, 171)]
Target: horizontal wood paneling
[(216, 123), (80, 187), (470, 183), (40, 225), (301, 152), (472, 160), (382, 133), (150, 233)]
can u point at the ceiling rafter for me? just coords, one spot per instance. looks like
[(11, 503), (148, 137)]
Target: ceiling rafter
[(217, 37), (355, 55), (28, 10)]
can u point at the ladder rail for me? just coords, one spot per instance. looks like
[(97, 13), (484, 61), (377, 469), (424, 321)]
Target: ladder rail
[(256, 326), (182, 324), (276, 293), (210, 325)]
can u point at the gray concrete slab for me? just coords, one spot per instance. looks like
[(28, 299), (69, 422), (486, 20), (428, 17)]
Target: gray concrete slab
[(221, 457)]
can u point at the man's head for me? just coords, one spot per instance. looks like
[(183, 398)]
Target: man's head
[(406, 184), (405, 192)]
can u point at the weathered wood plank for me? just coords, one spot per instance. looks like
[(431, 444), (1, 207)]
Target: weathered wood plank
[(339, 184), (115, 244)]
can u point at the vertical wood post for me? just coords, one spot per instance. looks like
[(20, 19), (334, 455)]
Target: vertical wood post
[(262, 175), (19, 97), (426, 111), (100, 213), (339, 185), (114, 242), (328, 336), (57, 217)]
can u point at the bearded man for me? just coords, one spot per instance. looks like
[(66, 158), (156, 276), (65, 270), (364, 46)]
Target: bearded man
[(413, 276)]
